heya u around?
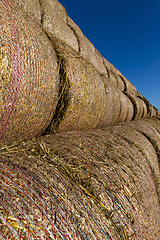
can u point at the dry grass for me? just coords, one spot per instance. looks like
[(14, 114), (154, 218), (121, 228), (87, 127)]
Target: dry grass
[(95, 179)]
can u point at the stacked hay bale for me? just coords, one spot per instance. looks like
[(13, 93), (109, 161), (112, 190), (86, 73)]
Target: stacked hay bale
[(97, 184), (29, 77), (91, 99), (86, 103)]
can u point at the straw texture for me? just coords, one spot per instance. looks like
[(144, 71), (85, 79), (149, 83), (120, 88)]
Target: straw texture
[(29, 77), (54, 21), (31, 8), (79, 185), (98, 176), (140, 108), (86, 100)]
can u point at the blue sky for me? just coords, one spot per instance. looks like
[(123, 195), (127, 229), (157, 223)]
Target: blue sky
[(127, 34)]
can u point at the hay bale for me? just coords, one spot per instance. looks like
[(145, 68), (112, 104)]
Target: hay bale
[(56, 7), (110, 67), (77, 185), (107, 64), (107, 117), (54, 21), (140, 108), (130, 113), (138, 140), (97, 184), (129, 87), (126, 109), (86, 48), (151, 110), (29, 77), (115, 70), (31, 8), (148, 131), (120, 83), (113, 78), (100, 64), (116, 104), (92, 55), (88, 51), (154, 121), (145, 110), (119, 108), (83, 101)]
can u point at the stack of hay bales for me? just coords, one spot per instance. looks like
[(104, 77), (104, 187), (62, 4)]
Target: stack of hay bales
[(33, 94), (125, 108), (86, 103), (97, 176), (97, 184)]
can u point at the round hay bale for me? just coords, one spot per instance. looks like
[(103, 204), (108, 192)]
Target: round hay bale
[(154, 112), (54, 22), (107, 64), (110, 67), (100, 64), (57, 8), (120, 83), (127, 109), (144, 108), (29, 77), (154, 121), (151, 111), (146, 103), (83, 102), (89, 53), (116, 104), (137, 139), (148, 131), (77, 185), (107, 117), (112, 78), (129, 87), (140, 108), (130, 111)]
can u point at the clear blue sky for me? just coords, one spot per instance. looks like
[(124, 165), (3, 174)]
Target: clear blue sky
[(127, 34)]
